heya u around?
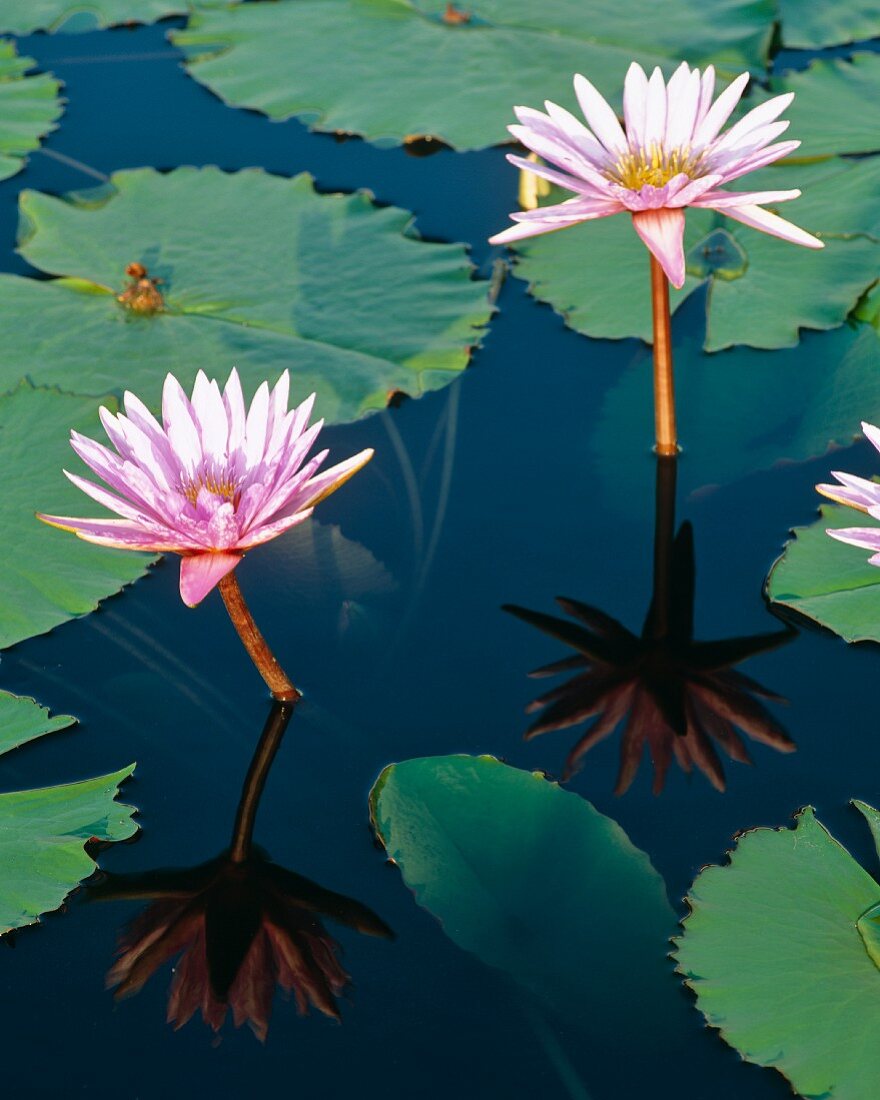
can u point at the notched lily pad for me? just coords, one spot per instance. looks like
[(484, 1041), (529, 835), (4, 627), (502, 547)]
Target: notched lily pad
[(775, 950), (29, 108), (43, 833), (49, 577), (342, 292), (447, 76), (828, 581), (596, 274), (832, 109), (868, 925), (26, 16)]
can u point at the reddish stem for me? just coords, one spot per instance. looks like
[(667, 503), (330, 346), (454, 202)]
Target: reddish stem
[(664, 392), (276, 678)]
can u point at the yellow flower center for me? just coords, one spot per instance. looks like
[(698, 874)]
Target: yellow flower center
[(655, 166), (224, 488)]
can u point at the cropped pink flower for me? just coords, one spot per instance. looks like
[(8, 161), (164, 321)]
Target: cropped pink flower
[(669, 156), (210, 482), (864, 496)]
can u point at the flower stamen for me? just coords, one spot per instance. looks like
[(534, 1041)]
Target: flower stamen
[(655, 166), (221, 487)]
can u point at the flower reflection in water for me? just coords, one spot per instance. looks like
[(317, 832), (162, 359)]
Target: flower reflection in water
[(681, 696), (240, 924)]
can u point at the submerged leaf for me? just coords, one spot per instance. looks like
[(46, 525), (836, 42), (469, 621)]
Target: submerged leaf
[(48, 577), (342, 292), (43, 833), (452, 78), (743, 410), (774, 948), (829, 581), (29, 108)]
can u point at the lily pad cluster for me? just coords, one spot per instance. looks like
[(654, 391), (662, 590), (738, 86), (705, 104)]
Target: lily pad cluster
[(44, 833), (782, 950), (471, 61), (292, 284)]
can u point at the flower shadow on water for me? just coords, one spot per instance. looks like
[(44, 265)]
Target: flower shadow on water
[(239, 923), (683, 697)]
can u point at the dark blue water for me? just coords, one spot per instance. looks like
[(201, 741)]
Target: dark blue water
[(510, 505)]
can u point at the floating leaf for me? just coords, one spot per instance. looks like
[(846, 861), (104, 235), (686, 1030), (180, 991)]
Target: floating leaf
[(775, 950), (25, 16), (453, 79), (43, 832), (832, 109), (23, 720), (530, 878), (48, 576), (762, 291), (742, 411), (829, 581), (338, 290), (29, 106), (827, 22)]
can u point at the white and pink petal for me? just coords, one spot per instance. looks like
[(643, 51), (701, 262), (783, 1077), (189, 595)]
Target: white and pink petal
[(758, 218), (200, 573), (663, 233)]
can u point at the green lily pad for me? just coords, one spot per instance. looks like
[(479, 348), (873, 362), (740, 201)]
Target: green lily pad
[(29, 107), (775, 950), (455, 80), (741, 411), (533, 880), (832, 110), (340, 291), (26, 16), (829, 581), (43, 832), (48, 575), (761, 291), (23, 720), (827, 22)]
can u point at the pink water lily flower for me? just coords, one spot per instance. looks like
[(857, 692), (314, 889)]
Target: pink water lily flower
[(857, 492), (670, 154), (213, 480)]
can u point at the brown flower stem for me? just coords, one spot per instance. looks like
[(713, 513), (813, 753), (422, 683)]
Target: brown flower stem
[(276, 678), (246, 815), (664, 391)]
